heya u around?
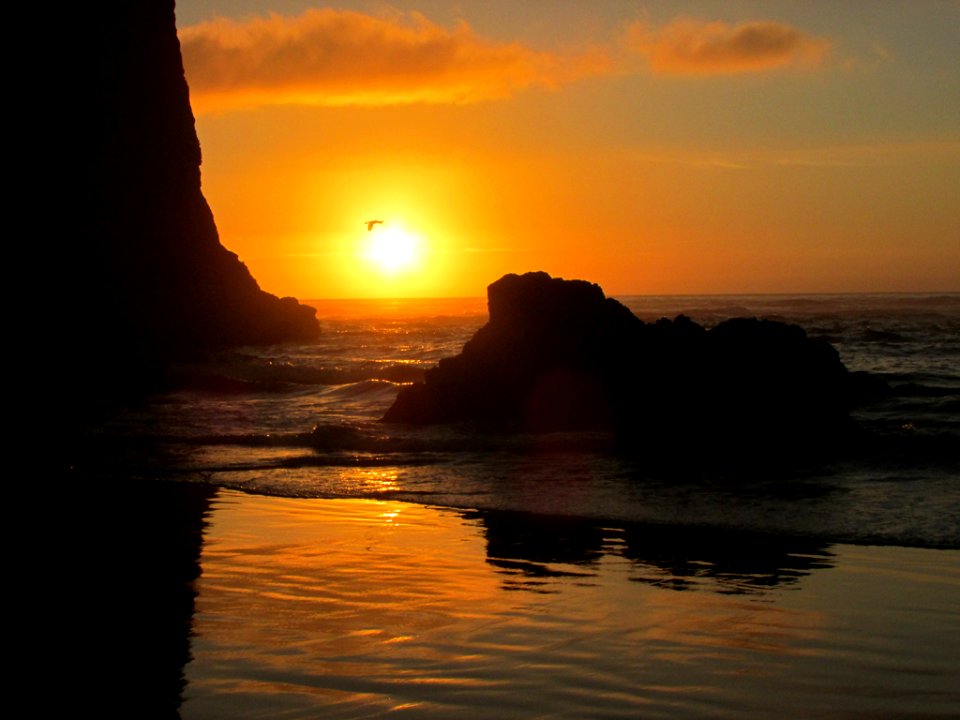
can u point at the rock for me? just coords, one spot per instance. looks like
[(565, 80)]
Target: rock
[(558, 355), (541, 362), (127, 238)]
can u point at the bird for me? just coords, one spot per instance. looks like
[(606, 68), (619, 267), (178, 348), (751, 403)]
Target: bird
[(371, 223)]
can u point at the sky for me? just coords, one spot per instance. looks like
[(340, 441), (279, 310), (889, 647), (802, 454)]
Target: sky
[(675, 147)]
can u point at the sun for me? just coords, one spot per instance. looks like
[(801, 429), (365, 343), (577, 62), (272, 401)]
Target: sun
[(393, 258), (393, 250)]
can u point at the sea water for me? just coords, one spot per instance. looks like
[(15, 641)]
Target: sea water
[(348, 608), (346, 568), (303, 420)]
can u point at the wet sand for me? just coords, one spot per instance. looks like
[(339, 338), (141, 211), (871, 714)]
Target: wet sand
[(361, 608)]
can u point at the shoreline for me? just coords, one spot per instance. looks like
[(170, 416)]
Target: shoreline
[(393, 607), (361, 607)]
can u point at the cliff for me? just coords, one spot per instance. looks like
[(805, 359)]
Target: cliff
[(133, 247)]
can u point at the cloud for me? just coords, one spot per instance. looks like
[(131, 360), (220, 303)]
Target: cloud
[(695, 47), (335, 57)]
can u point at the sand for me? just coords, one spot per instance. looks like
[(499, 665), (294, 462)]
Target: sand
[(360, 608)]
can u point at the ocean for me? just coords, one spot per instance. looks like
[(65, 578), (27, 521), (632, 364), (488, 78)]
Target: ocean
[(303, 421), (280, 552)]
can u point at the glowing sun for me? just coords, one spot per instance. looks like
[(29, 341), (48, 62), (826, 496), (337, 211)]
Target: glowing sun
[(393, 250)]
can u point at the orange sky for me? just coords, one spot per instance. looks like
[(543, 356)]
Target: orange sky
[(683, 147)]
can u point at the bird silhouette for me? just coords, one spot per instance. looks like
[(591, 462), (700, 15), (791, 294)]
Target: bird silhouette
[(371, 223)]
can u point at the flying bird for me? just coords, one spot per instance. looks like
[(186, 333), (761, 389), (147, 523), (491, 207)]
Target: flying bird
[(371, 223)]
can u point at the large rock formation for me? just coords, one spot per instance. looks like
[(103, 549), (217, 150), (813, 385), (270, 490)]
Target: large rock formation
[(557, 354), (133, 245)]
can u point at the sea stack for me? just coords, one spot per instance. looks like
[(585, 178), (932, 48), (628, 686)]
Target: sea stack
[(558, 355), (545, 360), (137, 255)]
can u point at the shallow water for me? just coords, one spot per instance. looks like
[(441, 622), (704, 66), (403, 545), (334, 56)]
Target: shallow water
[(357, 608), (301, 420), (442, 572)]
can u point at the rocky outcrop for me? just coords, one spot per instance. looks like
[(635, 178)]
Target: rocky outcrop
[(133, 244), (557, 354), (545, 360)]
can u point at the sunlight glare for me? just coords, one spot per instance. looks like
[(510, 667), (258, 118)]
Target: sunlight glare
[(393, 250)]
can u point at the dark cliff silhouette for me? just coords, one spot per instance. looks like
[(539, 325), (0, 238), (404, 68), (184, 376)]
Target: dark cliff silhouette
[(557, 354), (132, 244), (114, 617)]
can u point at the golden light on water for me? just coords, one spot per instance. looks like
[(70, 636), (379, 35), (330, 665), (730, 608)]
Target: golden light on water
[(379, 480)]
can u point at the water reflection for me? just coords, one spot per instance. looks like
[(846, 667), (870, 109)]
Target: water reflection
[(724, 561), (528, 549), (368, 481), (366, 608), (389, 591), (378, 480)]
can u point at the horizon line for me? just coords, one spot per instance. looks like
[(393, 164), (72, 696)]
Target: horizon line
[(821, 293)]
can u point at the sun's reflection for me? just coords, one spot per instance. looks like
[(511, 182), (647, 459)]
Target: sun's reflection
[(363, 605), (380, 480), (390, 516), (372, 481)]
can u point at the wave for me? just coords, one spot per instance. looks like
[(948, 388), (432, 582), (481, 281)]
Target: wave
[(918, 389), (850, 507), (301, 420), (897, 435), (250, 379), (905, 493), (883, 336)]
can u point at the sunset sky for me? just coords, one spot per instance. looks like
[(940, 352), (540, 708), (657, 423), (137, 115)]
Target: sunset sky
[(652, 147)]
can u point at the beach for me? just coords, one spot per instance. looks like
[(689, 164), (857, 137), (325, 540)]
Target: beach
[(256, 543), (363, 608)]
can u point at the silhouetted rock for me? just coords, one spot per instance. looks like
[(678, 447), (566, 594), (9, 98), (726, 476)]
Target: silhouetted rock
[(138, 569), (542, 360), (557, 354), (132, 242)]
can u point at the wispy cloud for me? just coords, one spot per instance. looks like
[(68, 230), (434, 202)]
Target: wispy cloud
[(335, 57), (695, 47), (824, 156)]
